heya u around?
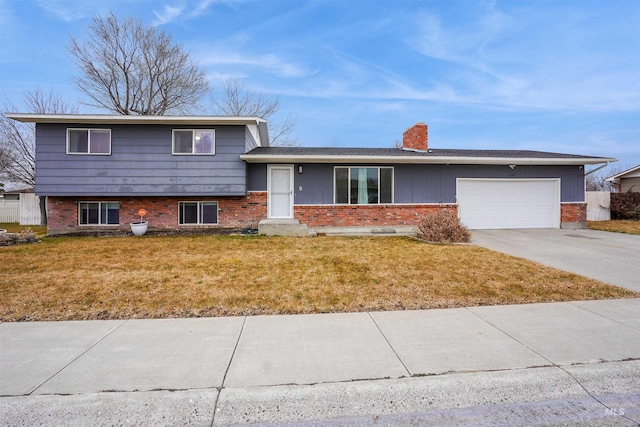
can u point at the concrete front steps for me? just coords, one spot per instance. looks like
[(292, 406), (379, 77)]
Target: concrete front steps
[(293, 227), (283, 227)]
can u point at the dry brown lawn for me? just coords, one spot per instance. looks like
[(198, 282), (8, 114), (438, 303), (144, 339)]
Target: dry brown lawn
[(184, 276), (617, 225)]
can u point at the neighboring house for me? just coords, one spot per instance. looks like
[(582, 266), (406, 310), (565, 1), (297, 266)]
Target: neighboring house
[(97, 171), (15, 194), (628, 180), (10, 195)]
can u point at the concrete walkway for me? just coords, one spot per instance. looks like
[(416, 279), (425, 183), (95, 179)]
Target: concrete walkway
[(562, 363), (613, 258)]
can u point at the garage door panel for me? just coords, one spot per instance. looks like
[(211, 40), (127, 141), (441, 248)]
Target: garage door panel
[(509, 203)]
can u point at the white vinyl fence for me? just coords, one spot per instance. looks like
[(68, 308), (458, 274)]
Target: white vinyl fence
[(29, 209), (25, 211), (9, 210), (598, 206)]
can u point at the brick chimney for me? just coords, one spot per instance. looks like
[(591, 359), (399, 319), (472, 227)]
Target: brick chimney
[(416, 137)]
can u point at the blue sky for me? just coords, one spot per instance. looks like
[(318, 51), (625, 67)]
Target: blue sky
[(556, 75)]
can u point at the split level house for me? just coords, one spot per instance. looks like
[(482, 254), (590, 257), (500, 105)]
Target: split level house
[(97, 171)]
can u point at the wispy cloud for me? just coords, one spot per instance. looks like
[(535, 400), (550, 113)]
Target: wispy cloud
[(351, 77), (270, 62), (167, 14), (461, 44), (67, 10), (498, 61), (202, 6), (186, 11)]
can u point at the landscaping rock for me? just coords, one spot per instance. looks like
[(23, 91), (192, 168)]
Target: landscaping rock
[(26, 236)]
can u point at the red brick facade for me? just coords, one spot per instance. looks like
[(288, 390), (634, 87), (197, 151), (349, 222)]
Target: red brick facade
[(363, 215), (573, 215), (241, 212), (162, 212), (233, 212)]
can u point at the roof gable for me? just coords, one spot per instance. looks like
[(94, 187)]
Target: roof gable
[(629, 173)]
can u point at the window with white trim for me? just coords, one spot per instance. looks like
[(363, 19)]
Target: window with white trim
[(89, 141), (357, 185), (98, 213), (194, 141), (197, 213)]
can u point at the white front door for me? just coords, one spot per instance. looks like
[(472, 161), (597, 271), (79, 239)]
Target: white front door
[(280, 191)]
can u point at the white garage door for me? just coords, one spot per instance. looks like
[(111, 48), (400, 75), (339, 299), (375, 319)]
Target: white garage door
[(509, 203)]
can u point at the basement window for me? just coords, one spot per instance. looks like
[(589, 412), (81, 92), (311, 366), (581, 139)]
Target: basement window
[(194, 141), (98, 213), (198, 213), (363, 185)]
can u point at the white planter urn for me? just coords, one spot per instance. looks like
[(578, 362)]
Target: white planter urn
[(139, 228), (2, 231)]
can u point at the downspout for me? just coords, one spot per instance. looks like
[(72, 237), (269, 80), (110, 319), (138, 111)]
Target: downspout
[(44, 213)]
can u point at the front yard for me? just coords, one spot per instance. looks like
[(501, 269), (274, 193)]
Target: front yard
[(183, 276), (618, 226)]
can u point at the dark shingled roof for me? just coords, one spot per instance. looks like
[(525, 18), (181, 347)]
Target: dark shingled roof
[(432, 152)]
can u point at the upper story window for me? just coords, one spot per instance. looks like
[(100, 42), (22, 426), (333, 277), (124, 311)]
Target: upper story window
[(194, 141), (89, 141), (363, 185)]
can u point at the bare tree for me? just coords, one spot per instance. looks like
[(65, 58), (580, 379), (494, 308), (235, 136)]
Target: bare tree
[(128, 68), (596, 181), (17, 140), (237, 100)]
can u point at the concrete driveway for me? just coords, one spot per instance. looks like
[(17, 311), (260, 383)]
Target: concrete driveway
[(610, 257)]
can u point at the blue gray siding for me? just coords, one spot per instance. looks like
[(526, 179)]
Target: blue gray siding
[(257, 177), (437, 183), (140, 164), (316, 182), (421, 183)]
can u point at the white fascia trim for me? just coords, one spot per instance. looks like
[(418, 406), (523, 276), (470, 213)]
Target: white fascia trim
[(263, 132), (621, 174), (119, 119), (457, 160)]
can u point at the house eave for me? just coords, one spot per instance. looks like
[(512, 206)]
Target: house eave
[(110, 119), (458, 160), (120, 119), (616, 177)]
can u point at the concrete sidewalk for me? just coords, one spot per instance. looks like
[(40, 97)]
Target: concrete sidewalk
[(476, 364)]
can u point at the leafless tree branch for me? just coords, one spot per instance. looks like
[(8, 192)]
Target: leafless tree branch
[(596, 181), (127, 68), (17, 140), (236, 100)]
